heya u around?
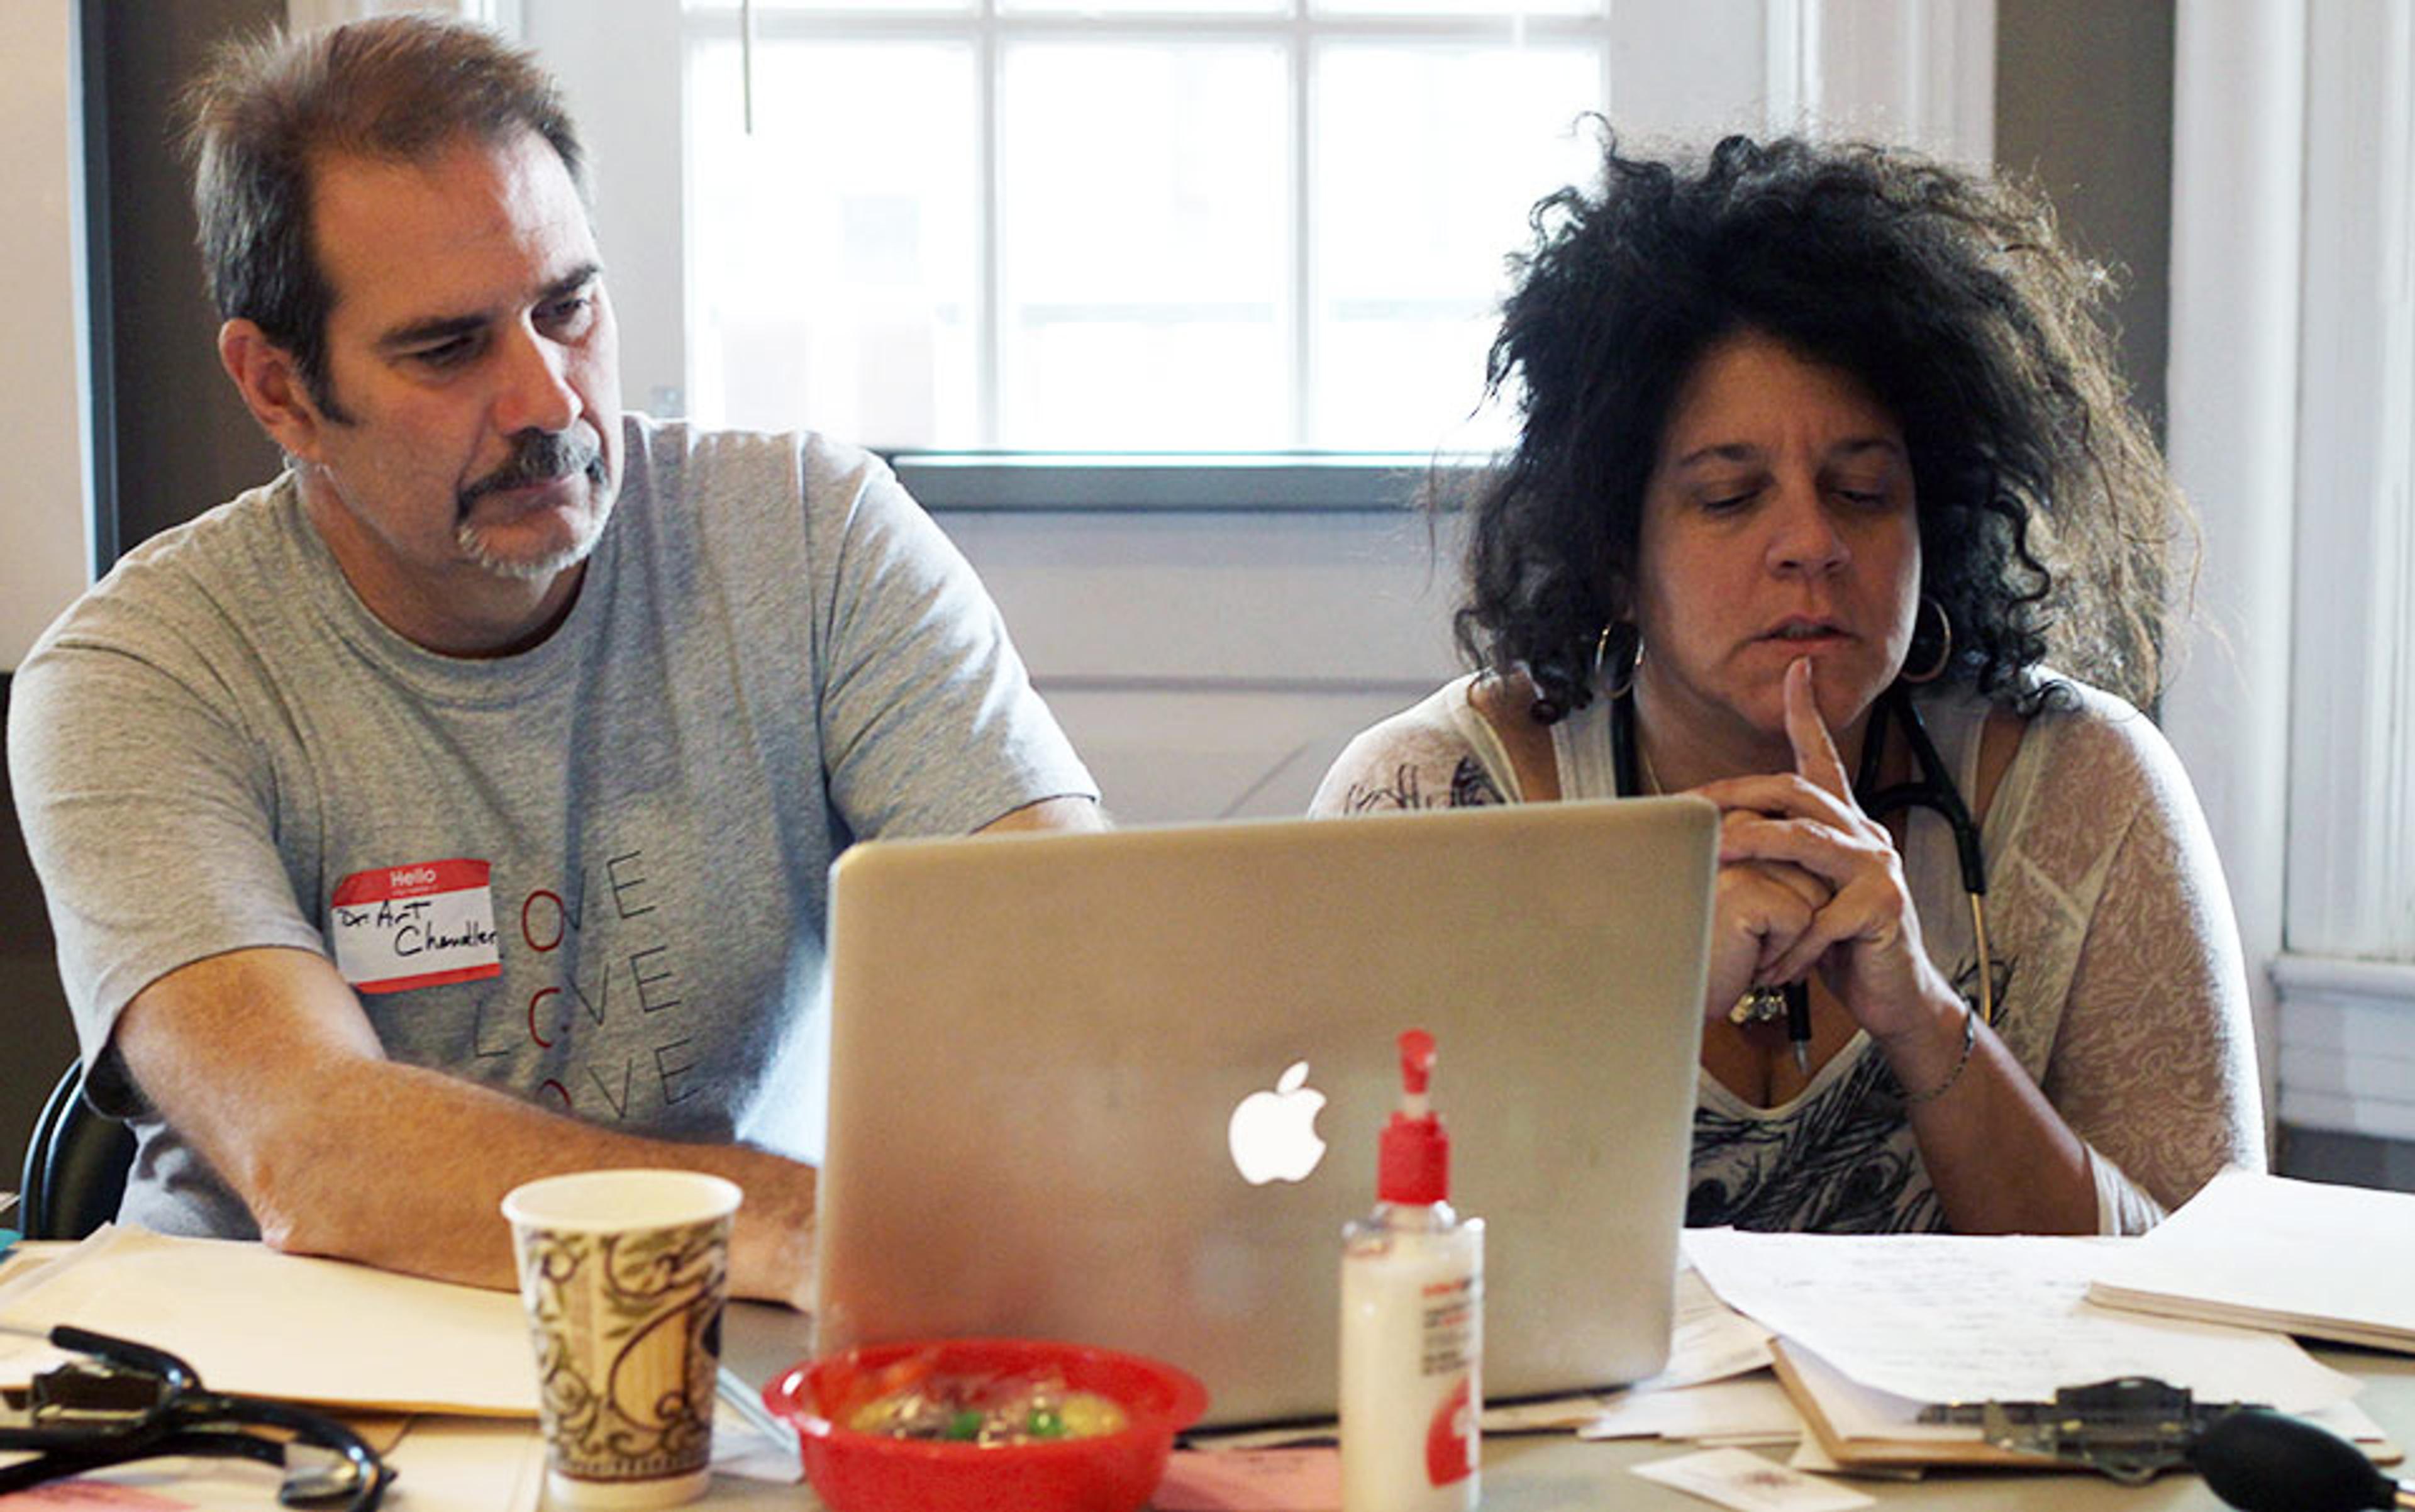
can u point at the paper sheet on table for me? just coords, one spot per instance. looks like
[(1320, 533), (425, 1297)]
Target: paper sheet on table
[(1948, 1318), (253, 1320), (466, 1465), (1753, 1407), (2264, 1251), (1708, 1339), (1257, 1480)]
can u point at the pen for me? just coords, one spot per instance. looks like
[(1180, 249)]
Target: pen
[(1798, 1023)]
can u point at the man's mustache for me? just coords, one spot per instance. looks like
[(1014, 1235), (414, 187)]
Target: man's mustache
[(539, 457)]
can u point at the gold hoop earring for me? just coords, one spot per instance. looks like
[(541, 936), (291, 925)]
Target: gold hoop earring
[(1943, 637), (1619, 649)]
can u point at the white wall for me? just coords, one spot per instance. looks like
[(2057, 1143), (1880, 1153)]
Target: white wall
[(1210, 665), (45, 511)]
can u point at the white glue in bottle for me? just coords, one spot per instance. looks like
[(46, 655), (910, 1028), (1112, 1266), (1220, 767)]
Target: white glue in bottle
[(1412, 1320)]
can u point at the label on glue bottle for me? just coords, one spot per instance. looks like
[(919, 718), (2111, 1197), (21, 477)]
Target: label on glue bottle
[(1412, 1334), (1411, 1322)]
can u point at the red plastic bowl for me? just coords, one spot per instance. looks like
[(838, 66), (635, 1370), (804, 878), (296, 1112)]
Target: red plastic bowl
[(855, 1472)]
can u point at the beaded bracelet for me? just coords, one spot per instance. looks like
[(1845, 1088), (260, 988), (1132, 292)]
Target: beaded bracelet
[(1970, 1038)]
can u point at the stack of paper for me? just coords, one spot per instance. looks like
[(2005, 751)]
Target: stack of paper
[(269, 1324), (1872, 1328), (2302, 1257)]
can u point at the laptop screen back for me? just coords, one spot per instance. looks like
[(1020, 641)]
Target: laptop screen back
[(1040, 1044)]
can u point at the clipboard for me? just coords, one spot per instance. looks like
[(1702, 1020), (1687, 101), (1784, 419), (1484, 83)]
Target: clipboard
[(1839, 1414), (1814, 1387)]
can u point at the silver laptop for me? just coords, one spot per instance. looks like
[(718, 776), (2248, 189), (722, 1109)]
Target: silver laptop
[(1063, 1098)]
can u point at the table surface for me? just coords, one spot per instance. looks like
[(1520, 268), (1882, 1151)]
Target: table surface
[(1561, 1471)]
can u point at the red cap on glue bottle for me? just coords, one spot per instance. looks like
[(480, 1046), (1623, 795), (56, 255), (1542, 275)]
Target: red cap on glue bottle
[(1413, 1158)]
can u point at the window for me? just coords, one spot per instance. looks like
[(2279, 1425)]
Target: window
[(1202, 229), (2292, 409), (1157, 225), (2348, 976)]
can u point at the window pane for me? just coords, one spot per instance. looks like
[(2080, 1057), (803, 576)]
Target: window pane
[(831, 8), (1144, 196), (834, 258), (1692, 72), (1108, 9), (1501, 9), (1415, 212)]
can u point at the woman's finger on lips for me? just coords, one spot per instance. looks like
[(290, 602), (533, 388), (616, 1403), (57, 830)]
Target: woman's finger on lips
[(1815, 752)]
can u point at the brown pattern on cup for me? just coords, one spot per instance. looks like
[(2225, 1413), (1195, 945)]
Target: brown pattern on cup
[(627, 1329)]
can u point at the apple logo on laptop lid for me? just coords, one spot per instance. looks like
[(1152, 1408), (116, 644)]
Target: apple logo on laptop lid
[(1273, 1133)]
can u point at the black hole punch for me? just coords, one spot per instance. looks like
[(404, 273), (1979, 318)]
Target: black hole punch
[(2264, 1461)]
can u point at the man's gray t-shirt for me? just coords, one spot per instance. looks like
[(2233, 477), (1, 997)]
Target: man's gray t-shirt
[(592, 875)]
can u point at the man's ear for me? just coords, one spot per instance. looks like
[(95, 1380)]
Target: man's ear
[(271, 385)]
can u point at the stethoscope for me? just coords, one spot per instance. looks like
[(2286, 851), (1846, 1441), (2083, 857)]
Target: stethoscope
[(122, 1402), (1934, 792)]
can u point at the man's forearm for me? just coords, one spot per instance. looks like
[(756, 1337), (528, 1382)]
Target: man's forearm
[(338, 1151), (409, 1175)]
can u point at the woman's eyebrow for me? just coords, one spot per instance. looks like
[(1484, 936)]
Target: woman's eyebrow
[(1725, 451), (1854, 446), (1746, 452)]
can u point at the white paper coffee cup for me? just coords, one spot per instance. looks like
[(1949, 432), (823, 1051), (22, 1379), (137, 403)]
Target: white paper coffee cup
[(624, 1275)]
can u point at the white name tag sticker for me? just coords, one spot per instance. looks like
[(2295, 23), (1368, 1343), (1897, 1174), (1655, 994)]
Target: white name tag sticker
[(420, 926)]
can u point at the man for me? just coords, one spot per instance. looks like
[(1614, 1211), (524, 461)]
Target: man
[(456, 809)]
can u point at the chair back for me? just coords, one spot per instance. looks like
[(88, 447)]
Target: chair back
[(75, 1165)]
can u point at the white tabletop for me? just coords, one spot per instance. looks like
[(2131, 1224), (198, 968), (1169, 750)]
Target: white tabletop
[(1560, 1470)]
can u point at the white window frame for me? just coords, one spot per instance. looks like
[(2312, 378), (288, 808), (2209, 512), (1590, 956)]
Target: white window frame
[(2293, 349), (1907, 69), (46, 515)]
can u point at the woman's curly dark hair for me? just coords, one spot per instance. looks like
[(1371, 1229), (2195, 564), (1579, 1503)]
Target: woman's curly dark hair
[(2044, 507)]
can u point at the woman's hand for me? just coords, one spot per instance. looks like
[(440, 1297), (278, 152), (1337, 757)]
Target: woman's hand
[(1803, 835), (1758, 909)]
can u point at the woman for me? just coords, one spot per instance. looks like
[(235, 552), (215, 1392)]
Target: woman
[(1822, 457)]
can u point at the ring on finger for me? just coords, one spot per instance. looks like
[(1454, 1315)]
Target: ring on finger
[(1759, 1005)]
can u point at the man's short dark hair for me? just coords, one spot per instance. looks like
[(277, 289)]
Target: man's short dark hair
[(267, 112)]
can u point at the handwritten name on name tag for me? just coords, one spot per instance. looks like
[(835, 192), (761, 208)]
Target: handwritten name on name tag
[(420, 926)]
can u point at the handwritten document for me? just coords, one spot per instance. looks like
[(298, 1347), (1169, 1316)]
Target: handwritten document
[(1947, 1318)]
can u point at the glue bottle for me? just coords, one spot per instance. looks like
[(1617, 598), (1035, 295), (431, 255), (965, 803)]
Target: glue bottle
[(1412, 1320)]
